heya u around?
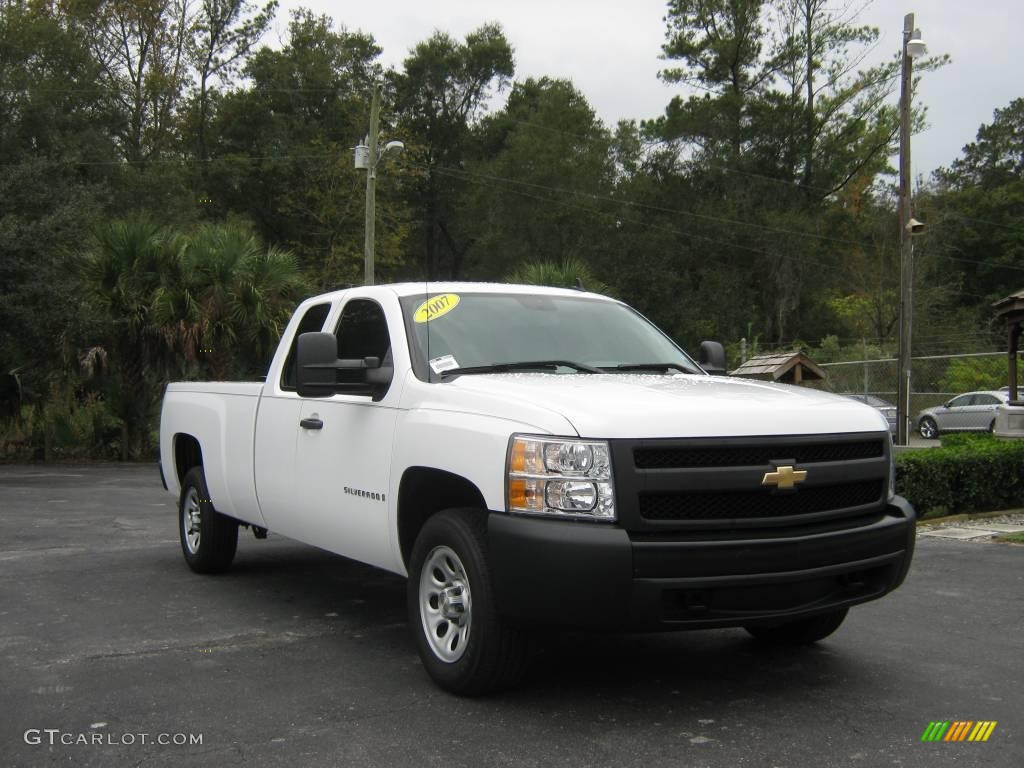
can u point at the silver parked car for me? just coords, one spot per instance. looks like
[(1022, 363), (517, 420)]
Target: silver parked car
[(970, 412), (884, 407)]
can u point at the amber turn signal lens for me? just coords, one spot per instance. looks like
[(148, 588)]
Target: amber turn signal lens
[(517, 493), (526, 494), (517, 462)]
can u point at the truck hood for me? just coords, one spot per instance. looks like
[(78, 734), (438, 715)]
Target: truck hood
[(679, 405)]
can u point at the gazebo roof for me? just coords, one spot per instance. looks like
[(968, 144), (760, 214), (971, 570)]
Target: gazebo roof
[(781, 366), (1011, 307)]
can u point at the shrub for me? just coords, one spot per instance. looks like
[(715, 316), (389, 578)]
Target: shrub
[(968, 473), (970, 373)]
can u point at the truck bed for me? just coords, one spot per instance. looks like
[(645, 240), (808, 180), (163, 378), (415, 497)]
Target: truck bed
[(223, 414)]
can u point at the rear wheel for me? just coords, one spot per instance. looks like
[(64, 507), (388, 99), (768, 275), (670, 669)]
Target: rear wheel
[(463, 643), (801, 631), (928, 429), (208, 538)]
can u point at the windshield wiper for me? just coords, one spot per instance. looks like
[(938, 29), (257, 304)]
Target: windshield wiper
[(662, 367), (522, 365)]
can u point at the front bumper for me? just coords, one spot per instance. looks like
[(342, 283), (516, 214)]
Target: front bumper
[(590, 575)]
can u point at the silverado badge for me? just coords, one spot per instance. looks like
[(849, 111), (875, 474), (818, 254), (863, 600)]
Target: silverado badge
[(784, 477)]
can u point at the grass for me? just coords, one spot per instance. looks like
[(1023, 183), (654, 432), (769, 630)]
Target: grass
[(1012, 538)]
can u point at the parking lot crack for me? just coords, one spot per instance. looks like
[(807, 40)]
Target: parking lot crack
[(226, 644)]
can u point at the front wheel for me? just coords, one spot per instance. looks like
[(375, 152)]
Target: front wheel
[(927, 428), (208, 538), (801, 631), (463, 643)]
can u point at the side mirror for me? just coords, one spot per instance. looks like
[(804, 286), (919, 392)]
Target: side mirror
[(317, 358), (712, 358)]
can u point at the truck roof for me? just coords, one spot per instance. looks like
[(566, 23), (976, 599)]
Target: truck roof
[(434, 287)]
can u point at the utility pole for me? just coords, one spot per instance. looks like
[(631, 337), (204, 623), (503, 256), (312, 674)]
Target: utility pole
[(913, 47), (367, 158), (371, 186)]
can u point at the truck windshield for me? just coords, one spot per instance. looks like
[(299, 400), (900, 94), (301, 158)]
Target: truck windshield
[(451, 334)]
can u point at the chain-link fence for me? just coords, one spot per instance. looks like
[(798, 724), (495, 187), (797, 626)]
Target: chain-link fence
[(934, 379)]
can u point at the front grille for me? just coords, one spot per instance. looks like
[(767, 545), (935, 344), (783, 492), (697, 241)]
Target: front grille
[(698, 486), (757, 504), (755, 455)]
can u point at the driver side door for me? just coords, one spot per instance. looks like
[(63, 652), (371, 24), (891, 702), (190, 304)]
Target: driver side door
[(342, 454)]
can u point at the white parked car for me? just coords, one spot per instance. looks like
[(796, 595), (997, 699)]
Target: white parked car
[(531, 457), (970, 412)]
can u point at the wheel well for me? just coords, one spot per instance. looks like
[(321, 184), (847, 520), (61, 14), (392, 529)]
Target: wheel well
[(187, 454), (425, 491)]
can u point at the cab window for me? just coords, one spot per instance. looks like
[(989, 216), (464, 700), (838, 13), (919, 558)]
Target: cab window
[(362, 332), (312, 321)]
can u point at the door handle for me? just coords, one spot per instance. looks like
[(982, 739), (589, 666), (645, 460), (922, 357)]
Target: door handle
[(313, 423)]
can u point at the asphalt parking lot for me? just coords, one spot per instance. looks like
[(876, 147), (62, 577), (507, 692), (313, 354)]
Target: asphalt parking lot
[(300, 658)]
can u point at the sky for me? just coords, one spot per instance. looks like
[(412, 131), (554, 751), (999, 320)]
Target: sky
[(609, 49)]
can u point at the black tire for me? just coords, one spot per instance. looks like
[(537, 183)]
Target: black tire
[(928, 429), (992, 426), (214, 549), (801, 631), (495, 655)]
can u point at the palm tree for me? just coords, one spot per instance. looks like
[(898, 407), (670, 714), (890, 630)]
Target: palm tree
[(266, 290), (569, 273), (119, 274), (228, 299), (174, 305)]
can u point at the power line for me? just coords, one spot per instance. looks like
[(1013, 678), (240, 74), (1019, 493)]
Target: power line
[(458, 172), (532, 185), (802, 260)]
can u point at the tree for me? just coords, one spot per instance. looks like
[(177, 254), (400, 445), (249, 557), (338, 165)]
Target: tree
[(539, 186), (141, 46), (223, 34), (973, 373), (169, 304), (719, 45), (282, 151), (996, 157), (225, 300), (118, 276), (54, 182), (569, 273), (836, 121), (444, 87), (787, 121), (981, 196)]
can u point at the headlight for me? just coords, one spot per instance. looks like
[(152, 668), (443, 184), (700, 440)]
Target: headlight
[(560, 477)]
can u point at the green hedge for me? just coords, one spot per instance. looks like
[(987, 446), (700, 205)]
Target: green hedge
[(968, 473)]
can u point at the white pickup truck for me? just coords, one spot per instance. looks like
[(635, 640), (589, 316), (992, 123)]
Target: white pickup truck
[(534, 456)]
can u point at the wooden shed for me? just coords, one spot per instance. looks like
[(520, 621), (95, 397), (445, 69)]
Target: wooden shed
[(788, 367)]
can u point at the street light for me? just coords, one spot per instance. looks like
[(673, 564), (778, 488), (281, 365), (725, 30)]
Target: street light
[(367, 157), (913, 47)]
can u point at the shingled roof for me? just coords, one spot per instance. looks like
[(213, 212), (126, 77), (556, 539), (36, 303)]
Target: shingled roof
[(1010, 305), (790, 367)]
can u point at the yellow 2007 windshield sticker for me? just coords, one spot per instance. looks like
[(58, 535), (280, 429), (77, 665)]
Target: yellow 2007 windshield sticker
[(435, 307)]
